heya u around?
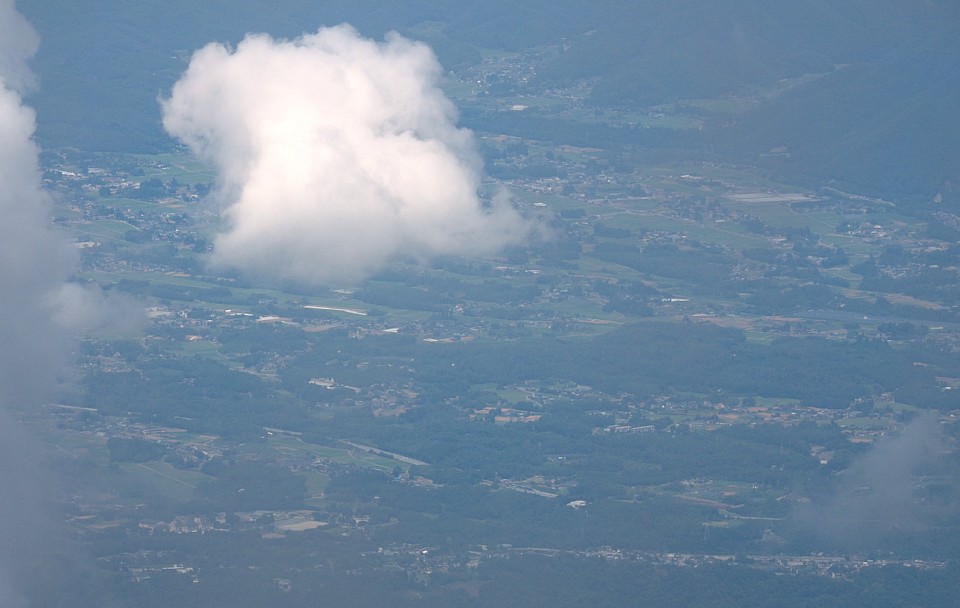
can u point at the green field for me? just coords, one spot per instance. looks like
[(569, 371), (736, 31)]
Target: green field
[(281, 442), (181, 166), (178, 484)]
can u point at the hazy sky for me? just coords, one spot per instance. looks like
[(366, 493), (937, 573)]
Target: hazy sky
[(335, 154)]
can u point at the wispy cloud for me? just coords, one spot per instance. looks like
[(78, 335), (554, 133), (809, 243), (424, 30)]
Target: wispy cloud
[(885, 494)]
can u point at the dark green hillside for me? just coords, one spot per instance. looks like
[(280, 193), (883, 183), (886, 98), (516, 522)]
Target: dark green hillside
[(656, 51), (887, 127), (637, 52), (123, 56)]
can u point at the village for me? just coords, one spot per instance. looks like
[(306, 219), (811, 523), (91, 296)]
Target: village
[(718, 252)]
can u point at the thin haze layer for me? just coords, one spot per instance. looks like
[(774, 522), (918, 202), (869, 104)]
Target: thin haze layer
[(335, 154), (32, 264), (33, 261), (39, 310)]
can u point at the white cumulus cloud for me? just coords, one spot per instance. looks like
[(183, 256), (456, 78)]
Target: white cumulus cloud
[(335, 154)]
